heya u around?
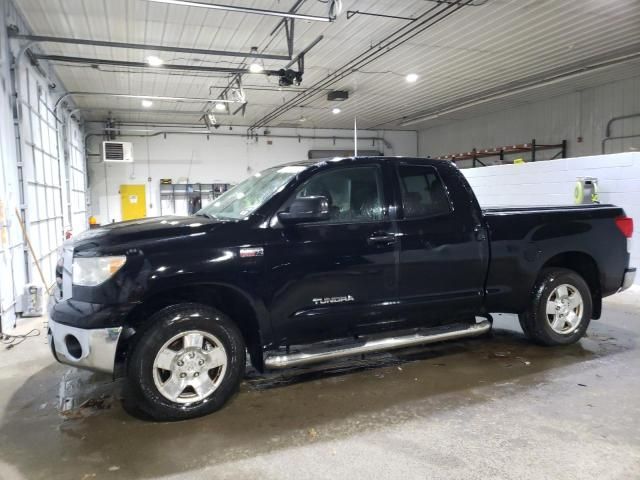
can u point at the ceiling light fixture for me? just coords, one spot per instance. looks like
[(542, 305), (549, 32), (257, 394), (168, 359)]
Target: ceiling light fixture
[(256, 68), (336, 110), (221, 107), (232, 8), (147, 103), (154, 61), (210, 121), (411, 78)]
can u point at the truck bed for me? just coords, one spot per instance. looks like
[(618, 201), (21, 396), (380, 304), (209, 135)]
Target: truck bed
[(499, 210), (524, 240)]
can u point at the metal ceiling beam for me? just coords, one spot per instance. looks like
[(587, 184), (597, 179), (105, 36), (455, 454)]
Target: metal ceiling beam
[(148, 97), (304, 52), (399, 37), (293, 9), (142, 46), (142, 97), (144, 110), (122, 63), (256, 11)]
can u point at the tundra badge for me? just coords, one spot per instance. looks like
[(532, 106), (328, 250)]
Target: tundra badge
[(325, 300)]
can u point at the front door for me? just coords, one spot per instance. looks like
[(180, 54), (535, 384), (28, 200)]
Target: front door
[(327, 279), (443, 250), (133, 200)]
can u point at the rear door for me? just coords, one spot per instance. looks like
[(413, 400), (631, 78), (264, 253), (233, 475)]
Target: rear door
[(443, 250), (327, 278)]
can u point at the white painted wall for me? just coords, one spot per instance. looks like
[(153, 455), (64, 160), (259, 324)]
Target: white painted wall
[(580, 114), (221, 158), (552, 183)]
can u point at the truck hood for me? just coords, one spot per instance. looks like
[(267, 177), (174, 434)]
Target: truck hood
[(142, 230)]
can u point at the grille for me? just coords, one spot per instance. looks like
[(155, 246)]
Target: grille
[(59, 273), (113, 151)]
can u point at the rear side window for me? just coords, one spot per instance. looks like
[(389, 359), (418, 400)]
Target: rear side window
[(423, 193)]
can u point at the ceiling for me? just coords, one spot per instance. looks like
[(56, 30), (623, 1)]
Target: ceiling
[(479, 58)]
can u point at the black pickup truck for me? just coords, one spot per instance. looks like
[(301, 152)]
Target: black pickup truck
[(316, 260)]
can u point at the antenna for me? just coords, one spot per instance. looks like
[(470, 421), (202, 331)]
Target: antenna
[(355, 137)]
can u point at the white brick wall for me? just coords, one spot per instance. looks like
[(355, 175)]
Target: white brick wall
[(552, 183)]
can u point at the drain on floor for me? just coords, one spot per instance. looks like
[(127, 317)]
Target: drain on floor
[(84, 394)]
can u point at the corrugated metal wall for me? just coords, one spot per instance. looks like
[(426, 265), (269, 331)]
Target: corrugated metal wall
[(580, 114)]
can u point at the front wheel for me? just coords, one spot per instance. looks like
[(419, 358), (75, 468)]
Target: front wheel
[(560, 309), (188, 362)]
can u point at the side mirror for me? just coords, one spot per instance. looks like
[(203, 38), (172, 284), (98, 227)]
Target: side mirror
[(305, 209)]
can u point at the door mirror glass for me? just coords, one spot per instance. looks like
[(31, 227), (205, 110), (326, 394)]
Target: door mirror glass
[(305, 209)]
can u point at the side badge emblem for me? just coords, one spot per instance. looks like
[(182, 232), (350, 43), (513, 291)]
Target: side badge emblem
[(251, 252), (327, 300)]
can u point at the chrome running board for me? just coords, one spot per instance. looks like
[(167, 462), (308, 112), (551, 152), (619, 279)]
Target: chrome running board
[(421, 337)]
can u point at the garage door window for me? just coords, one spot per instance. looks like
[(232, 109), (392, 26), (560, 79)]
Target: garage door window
[(423, 193)]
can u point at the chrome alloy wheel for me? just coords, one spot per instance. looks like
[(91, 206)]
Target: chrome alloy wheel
[(190, 367), (564, 309)]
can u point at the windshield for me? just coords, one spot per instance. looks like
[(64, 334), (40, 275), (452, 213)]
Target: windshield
[(245, 198)]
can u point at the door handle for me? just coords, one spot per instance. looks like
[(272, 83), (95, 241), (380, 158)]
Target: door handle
[(479, 233), (378, 238)]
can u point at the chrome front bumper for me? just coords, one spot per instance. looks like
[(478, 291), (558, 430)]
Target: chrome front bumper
[(93, 349), (629, 277)]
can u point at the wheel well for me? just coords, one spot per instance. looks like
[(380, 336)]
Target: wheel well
[(226, 299), (586, 267)]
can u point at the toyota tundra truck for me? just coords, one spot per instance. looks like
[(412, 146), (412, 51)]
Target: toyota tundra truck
[(317, 260)]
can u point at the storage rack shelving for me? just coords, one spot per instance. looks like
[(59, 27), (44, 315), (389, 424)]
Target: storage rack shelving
[(533, 148), (188, 198)]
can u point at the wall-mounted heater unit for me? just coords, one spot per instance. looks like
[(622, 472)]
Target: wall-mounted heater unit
[(120, 152)]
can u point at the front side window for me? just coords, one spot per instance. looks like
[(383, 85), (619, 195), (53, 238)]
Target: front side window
[(423, 193), (354, 194)]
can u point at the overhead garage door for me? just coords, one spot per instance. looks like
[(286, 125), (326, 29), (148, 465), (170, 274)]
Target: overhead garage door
[(76, 173), (42, 173)]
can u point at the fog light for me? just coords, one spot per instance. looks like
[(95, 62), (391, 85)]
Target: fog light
[(73, 346)]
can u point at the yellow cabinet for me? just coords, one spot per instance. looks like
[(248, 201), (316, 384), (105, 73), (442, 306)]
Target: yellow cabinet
[(133, 199)]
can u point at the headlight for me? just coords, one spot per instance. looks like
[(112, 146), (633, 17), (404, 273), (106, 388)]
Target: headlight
[(92, 271)]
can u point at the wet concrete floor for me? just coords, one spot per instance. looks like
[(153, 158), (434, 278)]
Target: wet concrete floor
[(496, 407)]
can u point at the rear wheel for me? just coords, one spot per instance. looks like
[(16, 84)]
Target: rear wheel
[(187, 363), (560, 310)]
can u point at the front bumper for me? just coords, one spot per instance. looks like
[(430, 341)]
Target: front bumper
[(629, 277), (91, 349)]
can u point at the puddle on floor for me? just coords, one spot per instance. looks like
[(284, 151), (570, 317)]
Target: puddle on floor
[(83, 394)]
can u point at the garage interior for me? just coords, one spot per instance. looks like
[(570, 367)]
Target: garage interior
[(124, 109)]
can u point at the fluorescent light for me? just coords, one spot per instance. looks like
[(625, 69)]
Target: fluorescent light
[(231, 8), (221, 107), (336, 110), (255, 68), (154, 61), (147, 103), (411, 78), (302, 119)]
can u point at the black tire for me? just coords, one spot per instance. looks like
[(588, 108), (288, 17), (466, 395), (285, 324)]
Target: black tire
[(535, 322), (142, 396)]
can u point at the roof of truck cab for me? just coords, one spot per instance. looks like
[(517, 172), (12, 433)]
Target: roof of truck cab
[(321, 161)]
